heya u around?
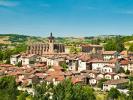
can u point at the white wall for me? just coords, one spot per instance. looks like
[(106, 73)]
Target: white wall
[(82, 65), (108, 87)]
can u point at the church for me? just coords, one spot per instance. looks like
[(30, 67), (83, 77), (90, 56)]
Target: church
[(49, 48)]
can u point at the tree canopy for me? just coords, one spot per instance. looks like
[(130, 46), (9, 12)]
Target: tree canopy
[(8, 88)]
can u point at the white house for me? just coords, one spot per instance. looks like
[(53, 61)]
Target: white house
[(114, 84), (14, 59), (107, 55), (92, 81), (98, 64), (28, 59), (55, 61), (108, 69)]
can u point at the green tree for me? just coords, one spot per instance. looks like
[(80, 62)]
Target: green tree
[(115, 44), (131, 47), (100, 82), (119, 44), (130, 88), (64, 66), (22, 96), (121, 70), (113, 94), (127, 72), (110, 46), (19, 64), (68, 91), (8, 88), (42, 91)]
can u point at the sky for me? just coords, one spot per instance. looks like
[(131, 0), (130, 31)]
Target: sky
[(66, 17)]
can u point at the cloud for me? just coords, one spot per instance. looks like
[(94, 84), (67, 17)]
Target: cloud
[(8, 4)]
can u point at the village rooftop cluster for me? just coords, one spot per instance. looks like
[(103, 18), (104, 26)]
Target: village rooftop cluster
[(52, 63)]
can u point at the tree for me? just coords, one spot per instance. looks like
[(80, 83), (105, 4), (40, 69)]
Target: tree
[(19, 64), (22, 96), (68, 91), (8, 88), (110, 46), (130, 78), (130, 88), (115, 44), (131, 47), (100, 83), (113, 94), (64, 66), (121, 70), (42, 91), (127, 72), (119, 44)]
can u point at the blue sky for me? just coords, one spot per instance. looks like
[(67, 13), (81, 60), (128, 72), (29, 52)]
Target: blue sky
[(66, 17)]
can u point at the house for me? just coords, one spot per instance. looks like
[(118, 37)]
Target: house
[(124, 63), (119, 84), (14, 59), (28, 59), (124, 54), (91, 49), (108, 69), (55, 61), (83, 62), (109, 75), (107, 55), (120, 76), (55, 75), (92, 81), (130, 66), (98, 64), (72, 62)]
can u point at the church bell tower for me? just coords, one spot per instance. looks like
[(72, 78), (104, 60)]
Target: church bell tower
[(51, 43)]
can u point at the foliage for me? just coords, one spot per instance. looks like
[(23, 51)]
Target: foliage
[(131, 47), (127, 72), (19, 64), (42, 91), (64, 66), (8, 88), (121, 70), (96, 41), (115, 44), (68, 91), (130, 88), (113, 93), (130, 78), (100, 82), (22, 96), (5, 55), (63, 91)]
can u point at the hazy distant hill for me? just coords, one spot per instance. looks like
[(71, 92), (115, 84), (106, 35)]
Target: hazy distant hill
[(13, 39), (16, 39)]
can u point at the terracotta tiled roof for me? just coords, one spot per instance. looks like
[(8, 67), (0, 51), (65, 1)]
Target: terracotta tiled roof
[(109, 52), (115, 82), (90, 45), (85, 57), (124, 62), (123, 52), (6, 65), (114, 60)]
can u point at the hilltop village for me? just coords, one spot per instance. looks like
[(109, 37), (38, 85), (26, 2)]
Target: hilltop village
[(52, 63)]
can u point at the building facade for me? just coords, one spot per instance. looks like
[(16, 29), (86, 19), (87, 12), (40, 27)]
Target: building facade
[(49, 48)]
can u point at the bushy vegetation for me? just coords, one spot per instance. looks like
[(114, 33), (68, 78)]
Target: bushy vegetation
[(8, 88), (63, 91)]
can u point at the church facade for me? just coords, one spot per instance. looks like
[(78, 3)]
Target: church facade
[(49, 48)]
